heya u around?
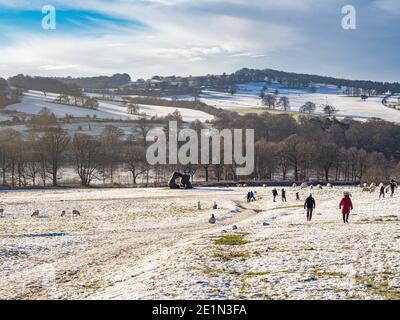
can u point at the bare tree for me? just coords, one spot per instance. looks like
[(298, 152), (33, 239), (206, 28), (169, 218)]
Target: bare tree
[(309, 107), (284, 103), (269, 101), (53, 145), (111, 140), (87, 152), (328, 155), (329, 110), (135, 158)]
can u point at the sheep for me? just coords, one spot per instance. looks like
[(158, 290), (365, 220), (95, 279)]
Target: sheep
[(304, 185), (35, 214), (372, 190), (319, 187), (372, 186), (329, 185)]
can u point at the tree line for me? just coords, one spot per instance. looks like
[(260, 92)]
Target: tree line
[(287, 149)]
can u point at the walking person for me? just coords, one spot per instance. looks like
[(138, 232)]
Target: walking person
[(284, 195), (274, 194), (346, 205), (382, 192), (393, 187), (297, 196), (310, 205)]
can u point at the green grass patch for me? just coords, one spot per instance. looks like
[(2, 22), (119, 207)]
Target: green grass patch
[(256, 274), (217, 272), (229, 256), (232, 240), (329, 274), (380, 288)]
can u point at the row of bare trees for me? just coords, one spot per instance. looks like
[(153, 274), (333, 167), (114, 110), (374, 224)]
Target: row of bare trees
[(286, 149), (322, 162)]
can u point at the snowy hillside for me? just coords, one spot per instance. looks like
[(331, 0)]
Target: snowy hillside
[(248, 96), (33, 102), (156, 244)]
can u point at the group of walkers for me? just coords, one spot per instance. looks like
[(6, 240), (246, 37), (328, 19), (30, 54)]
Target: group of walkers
[(251, 196), (345, 205), (392, 188), (275, 194)]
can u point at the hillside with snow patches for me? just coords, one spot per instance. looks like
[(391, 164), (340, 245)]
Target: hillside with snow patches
[(246, 99), (248, 96), (33, 102)]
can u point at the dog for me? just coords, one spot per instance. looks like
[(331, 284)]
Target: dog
[(76, 213)]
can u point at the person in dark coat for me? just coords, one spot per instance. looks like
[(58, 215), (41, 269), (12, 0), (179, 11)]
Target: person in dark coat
[(274, 194), (284, 195), (297, 196), (310, 205), (393, 186)]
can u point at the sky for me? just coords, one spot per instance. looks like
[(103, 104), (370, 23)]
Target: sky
[(197, 37)]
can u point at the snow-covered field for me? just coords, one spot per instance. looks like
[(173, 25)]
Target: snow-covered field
[(248, 97), (156, 244), (34, 101)]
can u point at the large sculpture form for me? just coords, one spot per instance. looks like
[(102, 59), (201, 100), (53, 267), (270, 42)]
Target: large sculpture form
[(184, 183)]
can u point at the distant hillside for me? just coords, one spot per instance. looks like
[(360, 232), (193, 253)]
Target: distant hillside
[(303, 80), (101, 82), (44, 84)]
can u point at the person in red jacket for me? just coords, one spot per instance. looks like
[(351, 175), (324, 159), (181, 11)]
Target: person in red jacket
[(346, 206), (382, 192)]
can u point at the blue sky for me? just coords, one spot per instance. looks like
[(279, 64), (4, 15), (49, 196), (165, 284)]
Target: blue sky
[(194, 37)]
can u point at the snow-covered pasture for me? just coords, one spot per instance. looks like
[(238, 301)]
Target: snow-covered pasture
[(34, 101), (156, 244), (353, 107)]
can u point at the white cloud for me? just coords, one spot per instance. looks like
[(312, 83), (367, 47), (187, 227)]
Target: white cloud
[(175, 41), (391, 6)]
